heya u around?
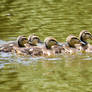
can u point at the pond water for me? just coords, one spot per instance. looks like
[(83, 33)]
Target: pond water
[(57, 18)]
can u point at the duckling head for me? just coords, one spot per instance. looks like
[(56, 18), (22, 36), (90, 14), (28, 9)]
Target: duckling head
[(33, 40), (49, 42), (72, 40), (21, 41), (84, 35)]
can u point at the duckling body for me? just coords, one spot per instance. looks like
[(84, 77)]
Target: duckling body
[(36, 51), (32, 51), (7, 47), (58, 49)]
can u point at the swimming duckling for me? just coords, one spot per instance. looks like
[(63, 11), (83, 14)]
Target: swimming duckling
[(70, 45), (9, 47), (34, 40), (84, 35), (20, 45), (51, 47)]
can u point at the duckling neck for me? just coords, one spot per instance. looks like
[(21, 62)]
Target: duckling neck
[(84, 42)]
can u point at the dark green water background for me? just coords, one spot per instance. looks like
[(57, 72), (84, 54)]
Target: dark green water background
[(57, 18)]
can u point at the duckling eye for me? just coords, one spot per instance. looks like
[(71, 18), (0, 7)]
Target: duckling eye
[(24, 40)]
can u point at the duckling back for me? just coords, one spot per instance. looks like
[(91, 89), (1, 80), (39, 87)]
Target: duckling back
[(7, 47)]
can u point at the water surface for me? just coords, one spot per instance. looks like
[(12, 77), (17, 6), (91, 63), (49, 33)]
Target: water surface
[(57, 18)]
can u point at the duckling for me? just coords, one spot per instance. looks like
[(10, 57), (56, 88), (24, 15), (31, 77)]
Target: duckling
[(34, 40), (21, 41), (51, 47), (70, 45), (9, 46), (84, 35), (20, 45)]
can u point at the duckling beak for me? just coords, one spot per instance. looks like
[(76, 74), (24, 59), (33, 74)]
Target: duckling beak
[(29, 42), (59, 44), (25, 42), (82, 43), (40, 43)]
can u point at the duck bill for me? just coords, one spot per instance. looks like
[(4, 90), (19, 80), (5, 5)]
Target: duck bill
[(27, 45), (29, 42), (41, 42), (82, 43), (59, 44)]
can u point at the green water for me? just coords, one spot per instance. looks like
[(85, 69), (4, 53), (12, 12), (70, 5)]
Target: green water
[(57, 18)]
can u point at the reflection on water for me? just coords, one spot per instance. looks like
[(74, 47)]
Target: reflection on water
[(58, 18)]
